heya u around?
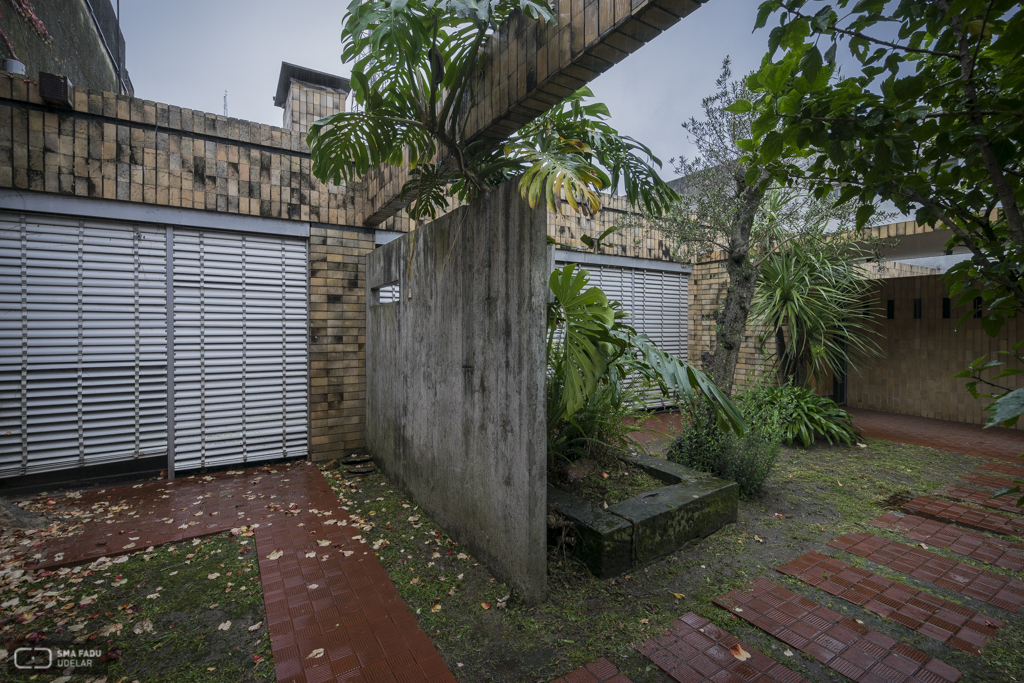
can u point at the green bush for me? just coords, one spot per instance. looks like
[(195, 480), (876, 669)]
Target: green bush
[(746, 460), (807, 415)]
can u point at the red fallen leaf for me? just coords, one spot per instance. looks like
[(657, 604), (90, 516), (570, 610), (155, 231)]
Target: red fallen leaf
[(114, 654), (739, 653), (604, 475)]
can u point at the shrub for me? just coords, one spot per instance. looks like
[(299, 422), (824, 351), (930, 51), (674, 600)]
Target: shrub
[(746, 460), (807, 416)]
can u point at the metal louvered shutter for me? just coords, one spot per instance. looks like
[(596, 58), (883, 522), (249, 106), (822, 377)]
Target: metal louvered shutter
[(656, 300), (83, 343), (240, 348)]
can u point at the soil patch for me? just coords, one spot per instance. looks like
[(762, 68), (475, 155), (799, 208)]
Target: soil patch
[(605, 481), (813, 496)]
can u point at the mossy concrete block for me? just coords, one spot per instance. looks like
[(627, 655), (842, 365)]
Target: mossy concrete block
[(638, 531), (604, 542)]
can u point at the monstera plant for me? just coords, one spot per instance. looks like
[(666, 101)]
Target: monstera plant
[(590, 347), (416, 64)]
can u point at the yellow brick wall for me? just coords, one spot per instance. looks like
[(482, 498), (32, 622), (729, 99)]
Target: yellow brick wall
[(308, 103), (921, 356)]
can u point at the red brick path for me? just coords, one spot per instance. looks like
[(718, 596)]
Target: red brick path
[(999, 443), (987, 480), (945, 621), (836, 641), (1007, 503), (977, 546), (600, 671), (332, 615), (972, 518), (956, 576), (1003, 468), (695, 651)]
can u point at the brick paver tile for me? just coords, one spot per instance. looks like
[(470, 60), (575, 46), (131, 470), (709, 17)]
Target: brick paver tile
[(956, 576), (838, 642), (998, 443), (1009, 469), (694, 649), (940, 619), (988, 481), (978, 546), (972, 518), (322, 586), (1006, 503), (601, 671)]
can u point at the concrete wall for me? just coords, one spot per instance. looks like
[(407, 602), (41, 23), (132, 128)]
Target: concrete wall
[(915, 377), (76, 49), (455, 379)]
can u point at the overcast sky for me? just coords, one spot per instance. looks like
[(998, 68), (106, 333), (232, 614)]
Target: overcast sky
[(188, 52)]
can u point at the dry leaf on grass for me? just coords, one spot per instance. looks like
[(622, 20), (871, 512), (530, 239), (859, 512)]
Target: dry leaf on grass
[(213, 576), (256, 626), (435, 608), (225, 626), (316, 654), (144, 626), (678, 596), (485, 605)]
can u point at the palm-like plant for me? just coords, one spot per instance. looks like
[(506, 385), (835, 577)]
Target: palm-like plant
[(416, 63), (819, 296)]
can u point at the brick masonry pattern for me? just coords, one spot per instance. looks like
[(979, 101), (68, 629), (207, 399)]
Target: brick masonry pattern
[(955, 513), (1007, 503), (997, 551), (838, 642), (946, 622), (958, 577), (340, 599), (694, 650), (600, 671)]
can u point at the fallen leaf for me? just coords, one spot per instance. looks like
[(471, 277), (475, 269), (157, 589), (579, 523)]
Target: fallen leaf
[(863, 445), (276, 554), (256, 626), (323, 543), (144, 626), (313, 586), (758, 538), (924, 546), (225, 626), (316, 654), (415, 581), (839, 482), (678, 596), (152, 596), (604, 475), (213, 576), (311, 553), (485, 605), (739, 653), (787, 652), (645, 621), (435, 608)]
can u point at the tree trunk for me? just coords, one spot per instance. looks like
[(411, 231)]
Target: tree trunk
[(731, 324)]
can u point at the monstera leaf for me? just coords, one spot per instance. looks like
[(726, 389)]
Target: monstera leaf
[(588, 344)]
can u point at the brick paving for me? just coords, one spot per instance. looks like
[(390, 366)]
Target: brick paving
[(694, 650), (946, 622), (997, 551), (1003, 468), (956, 576), (998, 443), (324, 593), (987, 480), (838, 642), (1007, 503), (600, 671), (972, 518)]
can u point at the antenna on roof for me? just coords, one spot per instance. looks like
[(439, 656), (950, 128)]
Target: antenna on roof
[(225, 103)]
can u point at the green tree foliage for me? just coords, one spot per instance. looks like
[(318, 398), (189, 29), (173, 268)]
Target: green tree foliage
[(933, 121), (415, 66), (817, 292)]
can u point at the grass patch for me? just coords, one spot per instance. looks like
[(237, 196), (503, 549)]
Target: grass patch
[(157, 614), (609, 481), (813, 496)]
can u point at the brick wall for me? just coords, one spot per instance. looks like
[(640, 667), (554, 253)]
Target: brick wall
[(921, 356), (132, 150), (308, 103)]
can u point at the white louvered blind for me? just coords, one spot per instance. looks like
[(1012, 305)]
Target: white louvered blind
[(241, 363), (656, 300), (83, 341)]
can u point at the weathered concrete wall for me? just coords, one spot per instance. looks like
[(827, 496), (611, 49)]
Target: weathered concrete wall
[(455, 379), (76, 50)]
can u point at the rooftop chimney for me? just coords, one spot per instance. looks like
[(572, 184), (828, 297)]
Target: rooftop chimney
[(308, 95)]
